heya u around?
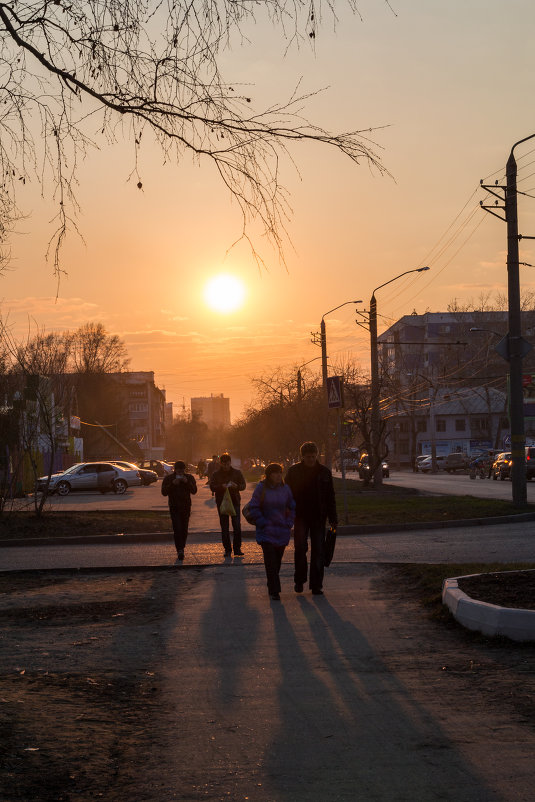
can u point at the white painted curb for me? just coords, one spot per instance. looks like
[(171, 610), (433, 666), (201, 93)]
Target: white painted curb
[(490, 619)]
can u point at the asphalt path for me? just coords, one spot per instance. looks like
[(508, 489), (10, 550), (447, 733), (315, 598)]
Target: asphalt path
[(511, 542)]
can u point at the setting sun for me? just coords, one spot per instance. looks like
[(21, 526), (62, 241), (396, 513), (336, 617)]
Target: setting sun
[(224, 293)]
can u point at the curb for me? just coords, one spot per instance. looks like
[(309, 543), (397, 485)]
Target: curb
[(351, 529), (489, 619)]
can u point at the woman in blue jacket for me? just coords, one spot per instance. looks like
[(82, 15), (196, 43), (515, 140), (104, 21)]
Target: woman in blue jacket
[(272, 508)]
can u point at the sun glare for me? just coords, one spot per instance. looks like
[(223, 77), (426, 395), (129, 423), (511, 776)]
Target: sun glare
[(224, 293)]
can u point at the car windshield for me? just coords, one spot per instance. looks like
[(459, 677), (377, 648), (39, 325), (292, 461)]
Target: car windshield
[(74, 468)]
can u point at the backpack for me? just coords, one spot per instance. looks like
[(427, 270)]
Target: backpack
[(246, 510)]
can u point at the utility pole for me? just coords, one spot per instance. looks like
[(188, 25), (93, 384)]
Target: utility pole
[(518, 439), (517, 347), (375, 418)]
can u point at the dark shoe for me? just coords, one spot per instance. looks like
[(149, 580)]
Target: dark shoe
[(317, 592), (227, 554), (181, 555), (298, 587), (238, 553), (275, 596)]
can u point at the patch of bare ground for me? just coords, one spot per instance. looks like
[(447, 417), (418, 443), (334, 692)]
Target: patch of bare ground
[(504, 588), (79, 681)]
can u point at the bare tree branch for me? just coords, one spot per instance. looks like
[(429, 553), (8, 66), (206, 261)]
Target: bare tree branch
[(80, 66)]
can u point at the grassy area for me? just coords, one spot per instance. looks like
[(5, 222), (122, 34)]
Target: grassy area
[(20, 525), (385, 508), (390, 505), (394, 504)]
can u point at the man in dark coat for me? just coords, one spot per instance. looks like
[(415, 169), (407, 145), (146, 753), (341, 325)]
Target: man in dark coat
[(231, 478), (179, 487), (312, 487)]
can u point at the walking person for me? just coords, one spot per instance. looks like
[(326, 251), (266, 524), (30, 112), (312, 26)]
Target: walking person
[(272, 508), (179, 487), (227, 477), (213, 466), (312, 487)]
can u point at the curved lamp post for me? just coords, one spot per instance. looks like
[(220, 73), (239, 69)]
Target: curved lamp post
[(323, 344), (375, 413), (299, 378)]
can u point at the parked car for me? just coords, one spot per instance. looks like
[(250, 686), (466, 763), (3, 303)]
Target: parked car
[(90, 476), (419, 459), (147, 477), (363, 468), (501, 467), (426, 465), (457, 461), (162, 468)]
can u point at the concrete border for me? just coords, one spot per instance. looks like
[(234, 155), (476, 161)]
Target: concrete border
[(489, 619)]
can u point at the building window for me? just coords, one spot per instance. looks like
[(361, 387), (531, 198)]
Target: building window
[(480, 424), (404, 448), (460, 425), (404, 426), (440, 425), (421, 425), (504, 423)]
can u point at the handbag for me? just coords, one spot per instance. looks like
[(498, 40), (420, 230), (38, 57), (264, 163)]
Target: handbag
[(227, 507), (246, 509), (328, 546)]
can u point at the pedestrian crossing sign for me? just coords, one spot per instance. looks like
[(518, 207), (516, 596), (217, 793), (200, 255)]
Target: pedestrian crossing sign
[(335, 395)]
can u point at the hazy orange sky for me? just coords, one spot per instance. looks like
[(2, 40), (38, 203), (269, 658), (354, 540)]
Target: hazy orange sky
[(454, 84)]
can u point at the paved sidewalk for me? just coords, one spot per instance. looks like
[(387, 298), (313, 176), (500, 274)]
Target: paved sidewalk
[(338, 698), (511, 542)]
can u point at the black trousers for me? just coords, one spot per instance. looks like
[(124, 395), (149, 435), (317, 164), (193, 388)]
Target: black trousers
[(272, 563), (302, 531), (180, 521), (224, 520)]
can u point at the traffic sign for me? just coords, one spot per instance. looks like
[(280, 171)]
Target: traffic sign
[(335, 392)]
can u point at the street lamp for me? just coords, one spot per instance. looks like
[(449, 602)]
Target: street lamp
[(375, 460), (323, 344), (324, 340), (299, 379)]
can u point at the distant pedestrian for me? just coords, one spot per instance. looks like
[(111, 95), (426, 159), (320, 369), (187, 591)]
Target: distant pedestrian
[(312, 487), (272, 507), (179, 487), (228, 477), (213, 466), (201, 468)]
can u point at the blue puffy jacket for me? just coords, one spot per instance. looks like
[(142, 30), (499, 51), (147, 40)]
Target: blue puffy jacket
[(274, 514)]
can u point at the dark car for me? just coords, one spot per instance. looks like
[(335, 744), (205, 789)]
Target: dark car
[(456, 461), (147, 477), (363, 468), (162, 468), (501, 467)]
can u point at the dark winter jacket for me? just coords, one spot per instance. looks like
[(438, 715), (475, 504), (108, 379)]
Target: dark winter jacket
[(179, 496), (273, 510), (218, 485), (313, 491)]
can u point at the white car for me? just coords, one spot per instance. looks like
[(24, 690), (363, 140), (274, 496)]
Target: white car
[(103, 476)]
